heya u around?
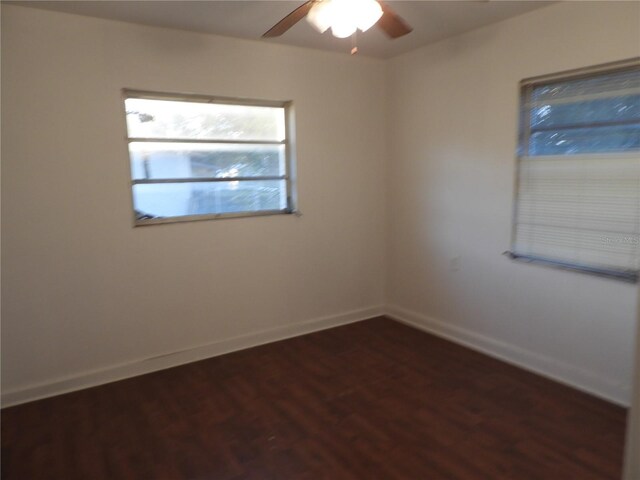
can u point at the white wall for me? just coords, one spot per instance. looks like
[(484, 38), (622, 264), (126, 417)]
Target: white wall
[(453, 114), (632, 454), (86, 297)]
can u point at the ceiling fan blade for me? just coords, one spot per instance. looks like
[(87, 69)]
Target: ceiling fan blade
[(290, 20), (392, 23)]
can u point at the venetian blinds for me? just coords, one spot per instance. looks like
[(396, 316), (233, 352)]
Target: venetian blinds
[(578, 196)]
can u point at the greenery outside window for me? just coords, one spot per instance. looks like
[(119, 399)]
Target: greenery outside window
[(195, 157)]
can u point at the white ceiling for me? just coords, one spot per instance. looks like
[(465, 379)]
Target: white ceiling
[(431, 20)]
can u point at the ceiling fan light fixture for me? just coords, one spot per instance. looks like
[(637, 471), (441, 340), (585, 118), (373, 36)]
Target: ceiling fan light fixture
[(320, 16), (369, 12), (343, 29), (344, 16)]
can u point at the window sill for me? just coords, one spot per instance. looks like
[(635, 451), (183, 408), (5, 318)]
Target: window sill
[(217, 216), (625, 276)]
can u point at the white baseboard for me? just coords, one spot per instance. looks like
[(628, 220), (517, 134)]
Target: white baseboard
[(571, 375), (140, 367), (564, 373)]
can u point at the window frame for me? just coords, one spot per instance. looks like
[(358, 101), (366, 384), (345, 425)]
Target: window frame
[(525, 90), (288, 143)]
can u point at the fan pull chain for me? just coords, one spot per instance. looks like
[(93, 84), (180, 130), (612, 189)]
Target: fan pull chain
[(354, 43)]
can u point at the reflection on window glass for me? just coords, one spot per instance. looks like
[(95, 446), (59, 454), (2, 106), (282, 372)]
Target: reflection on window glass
[(585, 140), (194, 120), (184, 160), (585, 115), (624, 108), (607, 84), (199, 198)]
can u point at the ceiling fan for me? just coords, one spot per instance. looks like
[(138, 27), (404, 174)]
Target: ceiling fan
[(344, 17)]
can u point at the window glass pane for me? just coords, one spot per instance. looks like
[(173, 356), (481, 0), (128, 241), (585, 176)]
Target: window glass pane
[(604, 85), (625, 108), (585, 140), (193, 160), (180, 199), (208, 121)]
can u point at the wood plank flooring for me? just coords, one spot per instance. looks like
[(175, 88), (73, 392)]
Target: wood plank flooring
[(371, 400)]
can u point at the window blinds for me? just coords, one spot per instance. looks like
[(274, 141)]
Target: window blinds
[(578, 197)]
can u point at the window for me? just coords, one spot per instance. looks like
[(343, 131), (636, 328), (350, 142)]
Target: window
[(578, 184), (196, 157)]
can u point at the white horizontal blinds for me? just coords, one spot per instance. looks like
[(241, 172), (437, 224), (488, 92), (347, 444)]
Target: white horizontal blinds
[(579, 173), (581, 210)]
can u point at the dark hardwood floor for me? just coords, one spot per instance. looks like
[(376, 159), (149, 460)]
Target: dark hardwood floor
[(371, 400)]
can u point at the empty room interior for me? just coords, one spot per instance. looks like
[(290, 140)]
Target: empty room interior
[(334, 239)]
